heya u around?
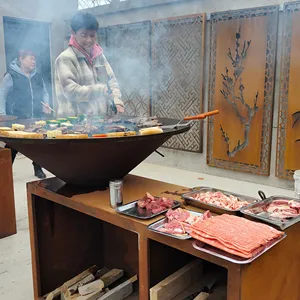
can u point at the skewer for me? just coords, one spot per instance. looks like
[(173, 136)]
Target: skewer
[(46, 105), (192, 118), (202, 116)]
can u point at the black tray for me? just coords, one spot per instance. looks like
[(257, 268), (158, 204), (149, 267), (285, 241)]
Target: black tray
[(131, 209)]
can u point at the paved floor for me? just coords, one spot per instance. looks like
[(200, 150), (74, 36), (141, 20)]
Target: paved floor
[(15, 262)]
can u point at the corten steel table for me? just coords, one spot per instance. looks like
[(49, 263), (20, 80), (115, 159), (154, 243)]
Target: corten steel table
[(73, 228), (8, 225)]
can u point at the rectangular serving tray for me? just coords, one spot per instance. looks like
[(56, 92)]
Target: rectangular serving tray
[(132, 210), (188, 197), (281, 225), (230, 257), (158, 224)]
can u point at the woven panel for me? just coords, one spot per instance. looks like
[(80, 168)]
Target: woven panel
[(241, 86), (288, 144), (177, 52), (102, 40), (129, 55)]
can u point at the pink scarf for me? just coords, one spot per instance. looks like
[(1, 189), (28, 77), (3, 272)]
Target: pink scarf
[(96, 51)]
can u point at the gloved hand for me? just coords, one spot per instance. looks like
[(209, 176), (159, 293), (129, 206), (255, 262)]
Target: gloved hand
[(120, 108), (113, 100)]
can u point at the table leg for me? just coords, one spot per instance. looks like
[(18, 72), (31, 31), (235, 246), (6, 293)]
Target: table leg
[(34, 245), (234, 282), (8, 224), (143, 268)]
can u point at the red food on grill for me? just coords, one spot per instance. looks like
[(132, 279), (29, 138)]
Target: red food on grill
[(235, 235), (155, 205), (181, 220)]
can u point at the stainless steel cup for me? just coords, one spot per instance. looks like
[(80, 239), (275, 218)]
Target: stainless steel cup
[(116, 193)]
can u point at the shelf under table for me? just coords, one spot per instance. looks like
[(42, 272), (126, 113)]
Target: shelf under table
[(72, 228)]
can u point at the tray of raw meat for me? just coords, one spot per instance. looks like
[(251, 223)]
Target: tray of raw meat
[(279, 211), (178, 222), (218, 201), (148, 207), (234, 238)]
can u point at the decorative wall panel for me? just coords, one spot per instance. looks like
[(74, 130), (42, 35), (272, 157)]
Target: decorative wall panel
[(242, 68), (102, 40), (288, 138), (129, 51), (177, 53)]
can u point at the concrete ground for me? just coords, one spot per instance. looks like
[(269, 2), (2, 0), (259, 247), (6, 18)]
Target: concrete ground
[(15, 259)]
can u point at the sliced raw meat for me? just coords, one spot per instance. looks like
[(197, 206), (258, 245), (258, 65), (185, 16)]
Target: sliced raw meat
[(155, 205), (181, 220), (295, 204), (234, 235), (280, 202), (220, 199), (178, 214), (206, 215), (280, 209)]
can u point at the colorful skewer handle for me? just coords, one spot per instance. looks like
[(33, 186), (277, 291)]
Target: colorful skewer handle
[(202, 116)]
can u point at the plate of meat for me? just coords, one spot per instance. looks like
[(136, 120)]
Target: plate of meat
[(280, 211), (234, 238), (178, 222), (148, 207), (218, 201)]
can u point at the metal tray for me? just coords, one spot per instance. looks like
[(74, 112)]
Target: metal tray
[(230, 257), (214, 208), (281, 225), (131, 209), (158, 224)]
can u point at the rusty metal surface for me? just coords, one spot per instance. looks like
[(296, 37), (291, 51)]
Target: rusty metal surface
[(232, 163), (129, 52), (177, 60), (290, 11), (92, 162)]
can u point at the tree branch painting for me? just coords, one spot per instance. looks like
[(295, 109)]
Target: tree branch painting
[(296, 119), (233, 93)]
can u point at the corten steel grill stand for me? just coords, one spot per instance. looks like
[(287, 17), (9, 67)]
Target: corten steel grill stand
[(7, 202), (73, 228)]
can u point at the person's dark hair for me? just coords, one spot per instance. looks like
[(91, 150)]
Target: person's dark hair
[(82, 20), (24, 53)]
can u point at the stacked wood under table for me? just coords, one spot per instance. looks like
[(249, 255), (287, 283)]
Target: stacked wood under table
[(73, 228)]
